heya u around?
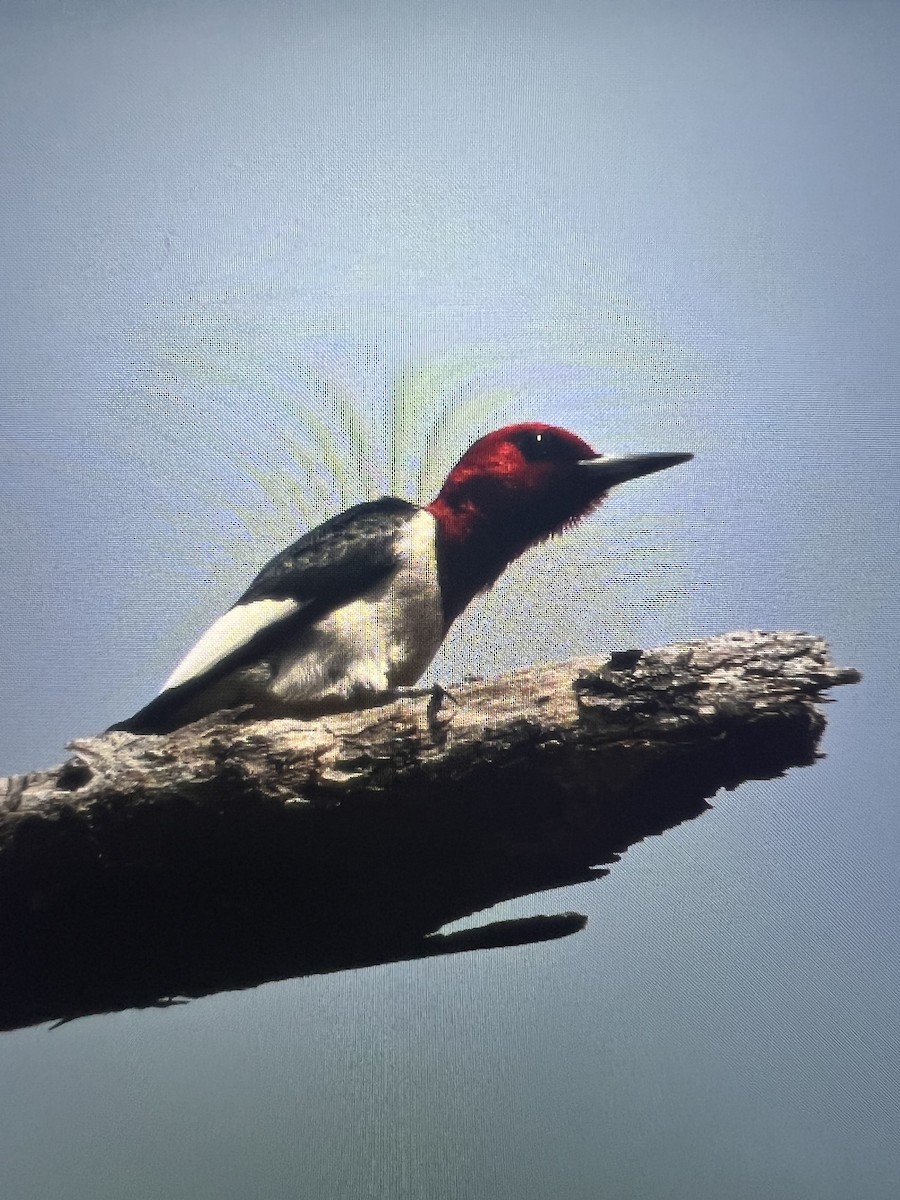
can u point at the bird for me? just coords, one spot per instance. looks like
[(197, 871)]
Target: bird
[(353, 612)]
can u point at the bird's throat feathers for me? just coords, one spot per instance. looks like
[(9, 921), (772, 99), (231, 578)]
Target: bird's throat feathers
[(475, 546)]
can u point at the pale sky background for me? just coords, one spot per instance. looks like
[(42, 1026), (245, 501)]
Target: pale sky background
[(262, 261)]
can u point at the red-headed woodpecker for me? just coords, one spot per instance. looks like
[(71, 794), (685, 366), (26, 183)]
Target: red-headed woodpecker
[(357, 608)]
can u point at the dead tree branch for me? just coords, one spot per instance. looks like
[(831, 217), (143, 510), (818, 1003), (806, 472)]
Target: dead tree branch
[(229, 853)]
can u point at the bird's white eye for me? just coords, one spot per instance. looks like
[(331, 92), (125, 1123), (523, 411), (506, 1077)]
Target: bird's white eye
[(539, 437)]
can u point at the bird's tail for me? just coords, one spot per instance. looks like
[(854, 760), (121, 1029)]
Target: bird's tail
[(164, 713)]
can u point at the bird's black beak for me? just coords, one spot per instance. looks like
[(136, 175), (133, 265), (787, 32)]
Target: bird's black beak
[(610, 469)]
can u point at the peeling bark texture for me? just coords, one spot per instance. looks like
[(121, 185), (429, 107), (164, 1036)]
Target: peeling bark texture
[(228, 853)]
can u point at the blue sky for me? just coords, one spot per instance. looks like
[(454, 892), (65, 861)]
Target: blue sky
[(260, 262)]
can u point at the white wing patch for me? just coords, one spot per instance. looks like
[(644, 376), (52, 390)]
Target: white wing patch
[(228, 634)]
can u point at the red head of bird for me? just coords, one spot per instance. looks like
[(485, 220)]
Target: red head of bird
[(512, 489)]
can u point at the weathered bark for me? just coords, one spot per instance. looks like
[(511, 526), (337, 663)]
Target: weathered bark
[(229, 853)]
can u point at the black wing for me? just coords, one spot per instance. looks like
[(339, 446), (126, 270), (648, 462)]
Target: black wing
[(339, 559)]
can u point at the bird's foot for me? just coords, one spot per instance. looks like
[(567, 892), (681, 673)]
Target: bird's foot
[(436, 727), (436, 694)]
